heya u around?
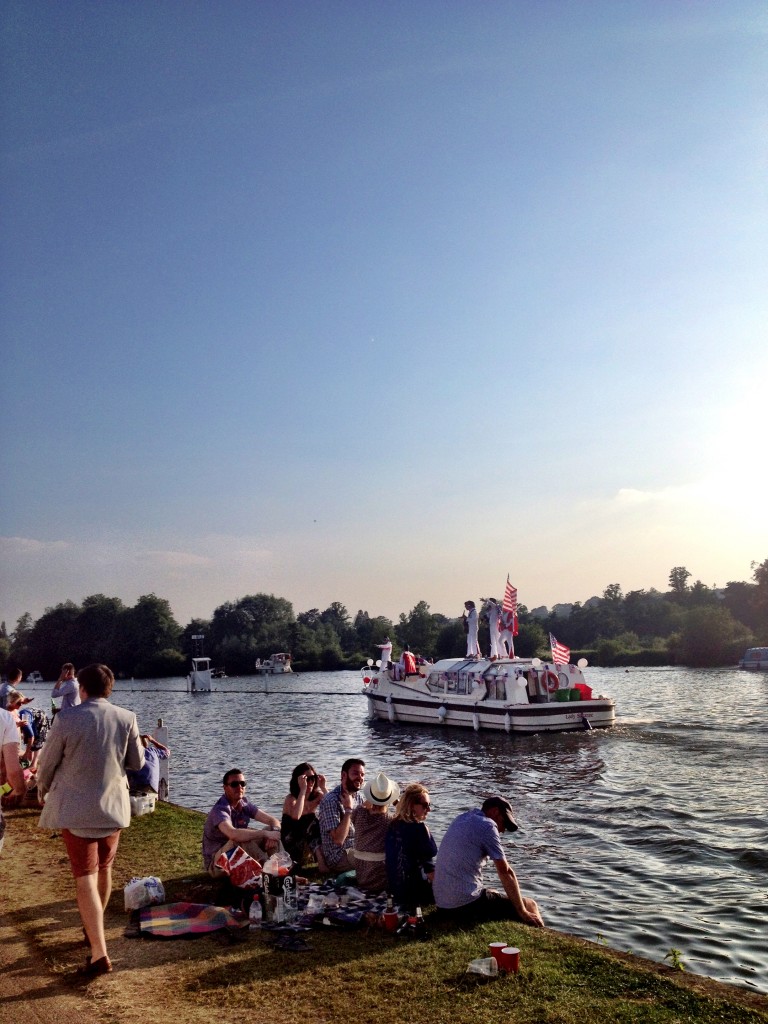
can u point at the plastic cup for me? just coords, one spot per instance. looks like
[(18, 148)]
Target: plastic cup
[(391, 920), (495, 948), (510, 959)]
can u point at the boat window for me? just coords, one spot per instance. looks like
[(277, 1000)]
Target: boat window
[(436, 682), (451, 682)]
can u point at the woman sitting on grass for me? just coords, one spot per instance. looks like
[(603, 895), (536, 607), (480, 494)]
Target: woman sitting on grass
[(411, 850), (299, 828)]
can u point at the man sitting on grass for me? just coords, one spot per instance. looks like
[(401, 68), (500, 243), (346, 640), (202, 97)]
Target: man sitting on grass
[(227, 826), (458, 883)]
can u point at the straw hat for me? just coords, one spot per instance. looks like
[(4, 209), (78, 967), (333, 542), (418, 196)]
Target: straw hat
[(381, 791)]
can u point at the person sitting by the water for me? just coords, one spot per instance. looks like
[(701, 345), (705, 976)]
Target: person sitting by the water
[(228, 820), (471, 838), (335, 815), (411, 850), (299, 827), (147, 779), (371, 822)]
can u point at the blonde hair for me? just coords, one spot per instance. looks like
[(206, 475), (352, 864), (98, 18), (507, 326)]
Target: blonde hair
[(412, 794)]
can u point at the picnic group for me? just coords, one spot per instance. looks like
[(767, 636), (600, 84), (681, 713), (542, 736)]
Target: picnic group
[(364, 829)]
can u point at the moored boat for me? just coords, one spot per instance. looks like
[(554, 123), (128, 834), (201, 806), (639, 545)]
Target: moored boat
[(755, 659), (200, 678), (508, 694), (274, 665)]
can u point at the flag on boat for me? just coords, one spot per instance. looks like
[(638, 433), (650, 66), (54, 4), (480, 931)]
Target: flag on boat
[(561, 654), (509, 608)]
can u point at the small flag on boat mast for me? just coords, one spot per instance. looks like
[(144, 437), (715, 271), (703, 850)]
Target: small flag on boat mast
[(509, 608), (561, 654)]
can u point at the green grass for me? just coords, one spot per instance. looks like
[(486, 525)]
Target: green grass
[(374, 978)]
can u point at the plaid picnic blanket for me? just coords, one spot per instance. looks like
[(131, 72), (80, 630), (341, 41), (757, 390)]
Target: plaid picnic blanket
[(177, 920)]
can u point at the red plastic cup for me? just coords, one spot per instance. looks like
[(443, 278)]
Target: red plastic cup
[(495, 948), (391, 919), (509, 959)]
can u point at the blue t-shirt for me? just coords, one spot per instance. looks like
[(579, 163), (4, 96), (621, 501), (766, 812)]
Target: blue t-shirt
[(237, 816), (149, 775), (470, 840)]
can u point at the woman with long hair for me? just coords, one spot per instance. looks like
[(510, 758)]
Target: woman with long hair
[(411, 850), (299, 828)]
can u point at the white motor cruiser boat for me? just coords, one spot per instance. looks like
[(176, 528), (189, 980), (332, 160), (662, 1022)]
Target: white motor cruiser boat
[(275, 665), (509, 694), (755, 660)]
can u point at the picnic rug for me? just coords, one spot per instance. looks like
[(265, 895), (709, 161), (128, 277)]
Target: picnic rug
[(173, 920)]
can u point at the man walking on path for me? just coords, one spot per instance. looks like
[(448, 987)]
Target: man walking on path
[(458, 883), (81, 774)]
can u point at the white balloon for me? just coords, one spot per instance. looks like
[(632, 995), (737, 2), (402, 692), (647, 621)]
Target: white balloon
[(535, 662), (369, 662), (378, 663), (582, 663)]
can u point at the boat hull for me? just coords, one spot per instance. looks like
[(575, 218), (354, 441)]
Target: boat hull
[(495, 716)]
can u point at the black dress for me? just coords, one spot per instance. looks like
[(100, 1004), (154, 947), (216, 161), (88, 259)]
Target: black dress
[(300, 836), (411, 851)]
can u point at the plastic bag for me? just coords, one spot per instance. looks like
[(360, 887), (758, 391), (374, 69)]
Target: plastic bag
[(143, 892), (243, 870), (485, 966)]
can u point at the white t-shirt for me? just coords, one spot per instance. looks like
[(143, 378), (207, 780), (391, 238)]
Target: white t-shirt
[(9, 731)]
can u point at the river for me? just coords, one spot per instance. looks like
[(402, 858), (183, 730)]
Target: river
[(648, 837)]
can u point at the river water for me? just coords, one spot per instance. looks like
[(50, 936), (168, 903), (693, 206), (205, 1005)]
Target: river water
[(648, 837)]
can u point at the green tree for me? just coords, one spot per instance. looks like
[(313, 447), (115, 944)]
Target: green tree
[(710, 636), (678, 580), (146, 630), (418, 629)]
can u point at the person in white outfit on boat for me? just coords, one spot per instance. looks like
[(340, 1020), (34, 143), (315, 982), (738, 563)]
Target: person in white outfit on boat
[(493, 611), (386, 652), (470, 625)]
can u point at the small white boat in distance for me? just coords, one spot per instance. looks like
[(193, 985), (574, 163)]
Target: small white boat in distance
[(200, 678), (755, 660), (275, 665), (35, 677), (509, 695)]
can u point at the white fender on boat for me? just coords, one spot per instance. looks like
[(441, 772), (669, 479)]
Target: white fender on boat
[(507, 722), (371, 709), (390, 708), (476, 722), (441, 713)]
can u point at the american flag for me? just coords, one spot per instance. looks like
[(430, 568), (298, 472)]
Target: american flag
[(561, 654), (509, 607)]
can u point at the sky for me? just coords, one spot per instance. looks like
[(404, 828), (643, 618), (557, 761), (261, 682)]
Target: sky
[(380, 302)]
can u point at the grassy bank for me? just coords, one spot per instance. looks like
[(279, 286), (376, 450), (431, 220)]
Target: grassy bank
[(367, 977)]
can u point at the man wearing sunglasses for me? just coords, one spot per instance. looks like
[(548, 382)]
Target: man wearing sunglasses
[(227, 825)]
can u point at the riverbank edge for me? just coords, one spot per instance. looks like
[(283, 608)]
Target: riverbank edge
[(166, 844)]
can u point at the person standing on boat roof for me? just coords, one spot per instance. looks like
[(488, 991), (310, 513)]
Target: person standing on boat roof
[(337, 832), (493, 611), (470, 626), (386, 652)]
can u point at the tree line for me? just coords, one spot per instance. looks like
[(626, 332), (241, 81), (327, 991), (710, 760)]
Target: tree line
[(690, 624)]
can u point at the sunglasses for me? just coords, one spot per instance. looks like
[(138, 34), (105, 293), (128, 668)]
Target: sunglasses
[(238, 783), (426, 804)]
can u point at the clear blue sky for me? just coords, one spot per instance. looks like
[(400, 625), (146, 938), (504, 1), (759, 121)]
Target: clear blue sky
[(379, 302)]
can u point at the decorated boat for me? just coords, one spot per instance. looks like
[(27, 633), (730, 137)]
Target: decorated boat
[(506, 694), (274, 665)]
